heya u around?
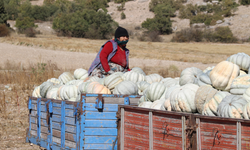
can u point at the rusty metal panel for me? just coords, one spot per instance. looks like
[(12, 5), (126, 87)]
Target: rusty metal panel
[(167, 131), (217, 134), (245, 136), (136, 130)]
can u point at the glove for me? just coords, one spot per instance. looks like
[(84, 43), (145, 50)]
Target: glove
[(111, 72)]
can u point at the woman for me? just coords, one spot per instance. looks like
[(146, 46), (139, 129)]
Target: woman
[(112, 57)]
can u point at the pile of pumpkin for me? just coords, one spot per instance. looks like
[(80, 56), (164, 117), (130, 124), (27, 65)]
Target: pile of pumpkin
[(221, 90)]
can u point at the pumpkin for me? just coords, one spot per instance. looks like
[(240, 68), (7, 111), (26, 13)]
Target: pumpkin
[(126, 88), (80, 74), (74, 82), (58, 93), (66, 77), (246, 94), (44, 87), (223, 74), (231, 106), (55, 81), (182, 99), (203, 94), (155, 91), (208, 69), (153, 78), (190, 75), (142, 87), (167, 104), (211, 105), (168, 82), (204, 79), (133, 76), (158, 104), (246, 111), (36, 92), (240, 84), (112, 80), (97, 88), (240, 59), (68, 92), (138, 70), (52, 93), (145, 104)]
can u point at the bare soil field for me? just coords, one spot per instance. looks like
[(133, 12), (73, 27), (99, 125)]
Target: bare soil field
[(71, 53)]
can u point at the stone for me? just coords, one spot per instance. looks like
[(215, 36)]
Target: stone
[(142, 1), (219, 21), (100, 9), (198, 25), (110, 13)]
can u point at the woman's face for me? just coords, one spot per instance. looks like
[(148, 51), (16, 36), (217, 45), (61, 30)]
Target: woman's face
[(123, 38)]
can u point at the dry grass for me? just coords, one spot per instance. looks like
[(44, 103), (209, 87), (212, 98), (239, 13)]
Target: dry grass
[(185, 52), (16, 84)]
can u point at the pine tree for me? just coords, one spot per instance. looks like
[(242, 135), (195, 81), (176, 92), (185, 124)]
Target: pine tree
[(3, 14)]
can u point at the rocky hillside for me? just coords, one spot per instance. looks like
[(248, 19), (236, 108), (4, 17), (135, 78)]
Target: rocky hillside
[(137, 11)]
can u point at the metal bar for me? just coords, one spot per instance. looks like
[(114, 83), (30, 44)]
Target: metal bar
[(151, 138), (126, 101), (198, 134), (238, 135), (82, 122), (48, 121), (38, 121), (30, 109), (63, 124), (122, 129), (77, 127), (183, 132)]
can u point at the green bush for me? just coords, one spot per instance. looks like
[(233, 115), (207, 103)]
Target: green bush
[(158, 23), (11, 8), (24, 23), (245, 2), (224, 35), (123, 16), (4, 30), (121, 7), (86, 23), (3, 14)]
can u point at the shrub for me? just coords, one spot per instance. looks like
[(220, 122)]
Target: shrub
[(11, 8), (188, 35), (23, 23), (87, 23), (3, 14), (123, 16), (154, 36), (158, 23), (30, 32), (4, 30), (224, 35), (245, 2)]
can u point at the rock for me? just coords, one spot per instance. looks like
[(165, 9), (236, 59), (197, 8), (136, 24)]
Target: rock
[(244, 16), (219, 21), (215, 2), (110, 13), (174, 28), (198, 25), (142, 1)]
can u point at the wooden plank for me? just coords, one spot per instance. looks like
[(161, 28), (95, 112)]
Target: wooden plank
[(112, 100), (101, 131), (100, 124), (99, 146), (245, 136), (68, 136), (101, 115), (69, 144), (56, 111), (99, 139), (55, 118), (107, 107)]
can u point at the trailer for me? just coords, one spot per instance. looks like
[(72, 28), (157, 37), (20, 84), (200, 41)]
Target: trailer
[(142, 128), (88, 124)]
